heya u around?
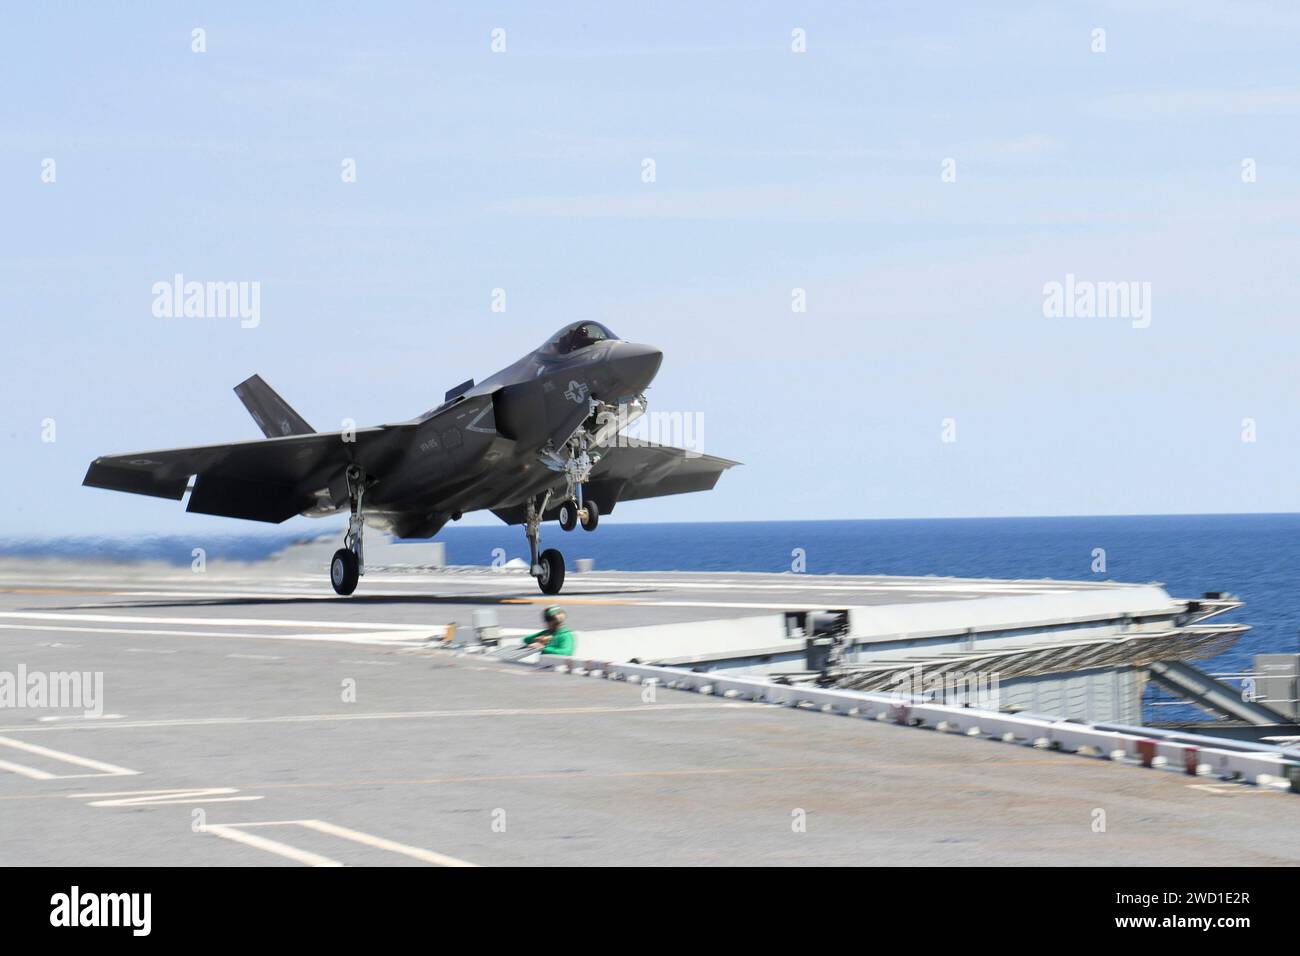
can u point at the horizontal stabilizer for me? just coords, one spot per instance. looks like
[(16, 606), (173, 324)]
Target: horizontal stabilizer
[(271, 412), (136, 480)]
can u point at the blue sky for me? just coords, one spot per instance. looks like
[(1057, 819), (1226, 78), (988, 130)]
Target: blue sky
[(775, 170)]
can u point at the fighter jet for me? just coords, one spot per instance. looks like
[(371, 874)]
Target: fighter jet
[(541, 439)]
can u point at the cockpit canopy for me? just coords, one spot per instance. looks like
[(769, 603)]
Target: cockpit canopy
[(578, 335)]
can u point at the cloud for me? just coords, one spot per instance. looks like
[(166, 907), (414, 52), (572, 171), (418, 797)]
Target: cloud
[(1227, 13), (1269, 101)]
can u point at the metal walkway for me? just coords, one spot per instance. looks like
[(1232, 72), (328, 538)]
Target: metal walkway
[(1210, 694)]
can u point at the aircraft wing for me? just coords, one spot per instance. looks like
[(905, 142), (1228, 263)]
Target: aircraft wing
[(271, 479), (634, 469)]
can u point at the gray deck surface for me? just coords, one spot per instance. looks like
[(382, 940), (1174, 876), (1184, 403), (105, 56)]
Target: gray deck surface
[(233, 679)]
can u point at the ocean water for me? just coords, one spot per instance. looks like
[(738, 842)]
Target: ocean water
[(1256, 557)]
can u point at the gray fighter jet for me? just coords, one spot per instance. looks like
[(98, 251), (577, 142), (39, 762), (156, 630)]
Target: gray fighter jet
[(540, 439)]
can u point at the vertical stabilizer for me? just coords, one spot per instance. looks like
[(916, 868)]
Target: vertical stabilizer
[(271, 412)]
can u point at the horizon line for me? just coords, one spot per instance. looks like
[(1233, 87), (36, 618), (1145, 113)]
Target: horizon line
[(632, 524)]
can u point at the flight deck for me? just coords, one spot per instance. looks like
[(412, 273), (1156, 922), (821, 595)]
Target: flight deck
[(249, 716)]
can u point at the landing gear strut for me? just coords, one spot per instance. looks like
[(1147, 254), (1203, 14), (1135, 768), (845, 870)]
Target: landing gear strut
[(576, 465), (548, 566), (348, 563), (575, 460)]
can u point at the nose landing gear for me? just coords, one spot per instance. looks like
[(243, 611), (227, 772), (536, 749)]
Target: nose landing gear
[(590, 516), (575, 462), (571, 512)]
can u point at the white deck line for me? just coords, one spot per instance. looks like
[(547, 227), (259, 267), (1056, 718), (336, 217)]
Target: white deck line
[(208, 621), (637, 709), (58, 755), (305, 857), (382, 638)]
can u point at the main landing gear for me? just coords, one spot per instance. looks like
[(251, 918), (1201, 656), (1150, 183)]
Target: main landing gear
[(547, 567), (348, 563)]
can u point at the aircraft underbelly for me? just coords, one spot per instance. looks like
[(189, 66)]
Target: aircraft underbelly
[(441, 468)]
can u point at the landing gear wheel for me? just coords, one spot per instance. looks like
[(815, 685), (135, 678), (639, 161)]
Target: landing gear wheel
[(552, 577), (568, 516), (592, 516), (344, 571)]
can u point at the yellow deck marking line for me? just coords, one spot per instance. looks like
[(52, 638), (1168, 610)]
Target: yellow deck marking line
[(556, 598), (828, 769), (633, 602), (906, 585)]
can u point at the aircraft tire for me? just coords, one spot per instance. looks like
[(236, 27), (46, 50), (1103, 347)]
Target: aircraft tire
[(593, 515), (344, 571), (552, 578), (568, 516)]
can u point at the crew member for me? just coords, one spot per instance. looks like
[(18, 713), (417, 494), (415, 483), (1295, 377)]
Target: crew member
[(555, 638)]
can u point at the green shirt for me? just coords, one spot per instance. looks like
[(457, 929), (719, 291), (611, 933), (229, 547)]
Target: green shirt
[(561, 642)]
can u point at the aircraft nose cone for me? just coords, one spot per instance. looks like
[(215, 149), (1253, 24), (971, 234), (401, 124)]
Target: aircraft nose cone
[(635, 365)]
